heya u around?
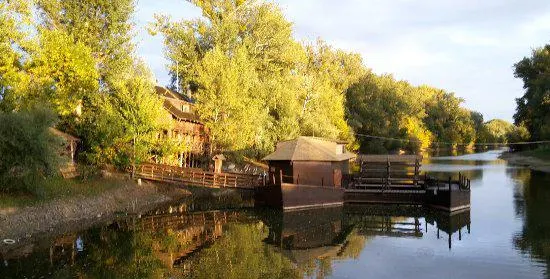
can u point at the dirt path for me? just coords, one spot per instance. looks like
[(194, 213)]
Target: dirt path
[(67, 215), (526, 161)]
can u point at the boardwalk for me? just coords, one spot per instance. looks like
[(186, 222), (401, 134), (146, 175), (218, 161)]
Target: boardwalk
[(198, 177)]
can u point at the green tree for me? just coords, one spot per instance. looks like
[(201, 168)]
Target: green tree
[(127, 125), (15, 17), (533, 108), (382, 106), (300, 88), (448, 121), (102, 25), (495, 131), (63, 72), (28, 149), (226, 99)]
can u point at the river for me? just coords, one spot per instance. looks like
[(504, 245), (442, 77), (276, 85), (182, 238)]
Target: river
[(505, 234)]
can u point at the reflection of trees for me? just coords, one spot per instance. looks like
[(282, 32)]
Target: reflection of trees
[(241, 253), (533, 201)]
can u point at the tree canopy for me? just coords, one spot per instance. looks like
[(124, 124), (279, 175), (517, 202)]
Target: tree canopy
[(533, 108)]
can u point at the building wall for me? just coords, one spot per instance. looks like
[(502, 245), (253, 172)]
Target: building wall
[(313, 173)]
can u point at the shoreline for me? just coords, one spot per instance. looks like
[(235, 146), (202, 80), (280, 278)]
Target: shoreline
[(518, 159), (62, 216)]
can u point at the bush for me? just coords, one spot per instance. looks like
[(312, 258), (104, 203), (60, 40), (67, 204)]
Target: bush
[(29, 151)]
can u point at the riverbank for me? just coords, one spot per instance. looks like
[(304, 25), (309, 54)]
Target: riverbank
[(535, 160), (78, 212)]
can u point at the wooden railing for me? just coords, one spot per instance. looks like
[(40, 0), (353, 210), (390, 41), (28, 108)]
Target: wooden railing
[(197, 177), (386, 171)]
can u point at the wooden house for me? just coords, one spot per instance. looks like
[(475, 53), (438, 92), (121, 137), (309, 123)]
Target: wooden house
[(305, 172), (310, 161), (187, 127), (69, 149)]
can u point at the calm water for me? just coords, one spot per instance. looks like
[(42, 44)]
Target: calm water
[(506, 234)]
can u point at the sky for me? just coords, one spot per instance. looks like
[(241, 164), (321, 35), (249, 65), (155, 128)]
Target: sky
[(467, 47)]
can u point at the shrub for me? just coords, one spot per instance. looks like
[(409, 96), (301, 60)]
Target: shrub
[(29, 152)]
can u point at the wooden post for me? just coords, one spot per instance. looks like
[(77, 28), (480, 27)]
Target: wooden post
[(224, 179), (281, 176)]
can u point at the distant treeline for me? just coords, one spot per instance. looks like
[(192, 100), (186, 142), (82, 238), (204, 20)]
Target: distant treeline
[(253, 82)]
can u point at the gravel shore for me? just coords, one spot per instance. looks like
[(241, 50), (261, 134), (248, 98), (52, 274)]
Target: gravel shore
[(526, 161), (76, 213)]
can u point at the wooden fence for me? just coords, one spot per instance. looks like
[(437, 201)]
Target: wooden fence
[(197, 177), (387, 171)]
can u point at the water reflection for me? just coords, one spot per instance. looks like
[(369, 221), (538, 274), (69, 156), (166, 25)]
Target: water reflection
[(532, 203), (505, 235)]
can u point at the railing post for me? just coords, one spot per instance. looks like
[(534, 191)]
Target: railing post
[(224, 179), (281, 176)]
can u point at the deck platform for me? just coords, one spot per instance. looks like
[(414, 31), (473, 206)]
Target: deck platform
[(387, 179)]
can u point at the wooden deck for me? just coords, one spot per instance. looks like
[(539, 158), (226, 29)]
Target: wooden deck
[(198, 177), (396, 179)]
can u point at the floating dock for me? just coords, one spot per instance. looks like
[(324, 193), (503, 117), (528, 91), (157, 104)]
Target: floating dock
[(393, 179)]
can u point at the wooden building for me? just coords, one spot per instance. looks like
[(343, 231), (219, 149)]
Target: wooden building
[(305, 173), (69, 149), (187, 127), (311, 161)]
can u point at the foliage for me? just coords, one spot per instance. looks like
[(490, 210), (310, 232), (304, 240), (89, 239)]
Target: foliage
[(63, 72), (29, 151), (254, 84), (448, 121), (15, 16), (241, 253), (104, 26), (533, 108), (124, 127), (518, 134), (495, 131)]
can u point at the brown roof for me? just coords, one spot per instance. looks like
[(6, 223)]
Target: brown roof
[(179, 114), (66, 136), (308, 149), (165, 92)]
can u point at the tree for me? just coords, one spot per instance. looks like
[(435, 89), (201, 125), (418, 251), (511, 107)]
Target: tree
[(495, 131), (28, 149), (382, 106), (290, 89), (448, 121), (226, 100), (63, 72), (102, 25), (15, 16), (125, 127), (533, 108)]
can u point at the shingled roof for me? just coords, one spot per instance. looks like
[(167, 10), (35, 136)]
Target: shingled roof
[(179, 114), (163, 91), (308, 149)]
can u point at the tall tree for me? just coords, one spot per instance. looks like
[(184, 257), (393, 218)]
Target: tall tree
[(15, 17), (63, 72), (533, 108), (300, 88), (102, 25)]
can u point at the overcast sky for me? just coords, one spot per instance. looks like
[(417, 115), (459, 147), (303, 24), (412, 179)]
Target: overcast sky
[(467, 46)]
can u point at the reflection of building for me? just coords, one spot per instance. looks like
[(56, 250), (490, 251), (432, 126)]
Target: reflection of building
[(399, 221), (187, 128), (307, 235)]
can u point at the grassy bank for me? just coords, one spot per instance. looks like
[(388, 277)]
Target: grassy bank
[(58, 188), (541, 154)]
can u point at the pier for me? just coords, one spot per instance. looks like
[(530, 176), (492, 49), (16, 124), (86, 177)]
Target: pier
[(396, 179)]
